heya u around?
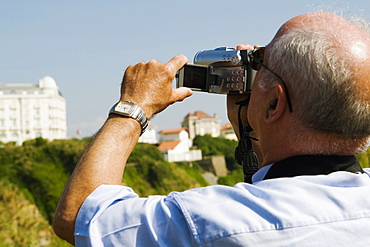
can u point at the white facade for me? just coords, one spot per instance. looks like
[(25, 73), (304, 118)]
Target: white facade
[(201, 123), (176, 134), (227, 132), (175, 146), (149, 136), (29, 111), (178, 154)]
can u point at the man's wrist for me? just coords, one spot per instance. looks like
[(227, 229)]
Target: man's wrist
[(130, 110)]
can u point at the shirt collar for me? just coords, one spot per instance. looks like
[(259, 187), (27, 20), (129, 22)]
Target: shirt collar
[(308, 165), (260, 174)]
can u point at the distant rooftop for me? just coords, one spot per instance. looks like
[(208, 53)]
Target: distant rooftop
[(199, 114), (46, 82), (173, 131), (226, 126), (17, 86), (168, 145)]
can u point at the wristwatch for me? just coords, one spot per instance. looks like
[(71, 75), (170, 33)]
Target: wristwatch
[(129, 109)]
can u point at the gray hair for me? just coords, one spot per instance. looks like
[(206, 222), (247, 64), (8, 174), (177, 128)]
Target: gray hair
[(320, 80)]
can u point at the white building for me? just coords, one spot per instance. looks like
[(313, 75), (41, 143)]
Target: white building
[(29, 111), (227, 132), (175, 146), (149, 136), (201, 123)]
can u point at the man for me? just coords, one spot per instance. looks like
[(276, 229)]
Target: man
[(309, 110)]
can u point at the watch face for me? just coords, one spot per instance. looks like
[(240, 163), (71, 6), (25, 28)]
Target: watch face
[(125, 108)]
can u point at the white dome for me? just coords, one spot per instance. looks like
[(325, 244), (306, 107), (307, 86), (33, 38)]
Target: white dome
[(47, 82)]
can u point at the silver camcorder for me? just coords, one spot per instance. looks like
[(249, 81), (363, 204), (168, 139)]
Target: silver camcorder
[(222, 70)]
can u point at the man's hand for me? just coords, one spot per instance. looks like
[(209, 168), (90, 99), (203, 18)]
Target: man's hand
[(149, 85)]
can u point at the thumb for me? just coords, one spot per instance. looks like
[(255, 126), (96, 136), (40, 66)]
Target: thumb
[(179, 94)]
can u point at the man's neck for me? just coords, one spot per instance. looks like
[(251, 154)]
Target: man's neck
[(308, 143)]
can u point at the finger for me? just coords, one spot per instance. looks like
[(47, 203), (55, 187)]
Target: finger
[(179, 94), (177, 63), (244, 47)]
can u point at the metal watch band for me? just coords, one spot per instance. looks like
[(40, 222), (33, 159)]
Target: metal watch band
[(135, 113)]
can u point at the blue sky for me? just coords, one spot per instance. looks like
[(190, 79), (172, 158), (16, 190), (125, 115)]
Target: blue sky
[(86, 45)]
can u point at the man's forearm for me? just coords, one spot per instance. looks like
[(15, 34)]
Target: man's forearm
[(102, 163), (149, 85)]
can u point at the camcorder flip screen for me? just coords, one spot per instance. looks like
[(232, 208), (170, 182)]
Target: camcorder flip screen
[(194, 77)]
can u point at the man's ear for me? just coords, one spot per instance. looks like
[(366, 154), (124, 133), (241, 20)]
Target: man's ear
[(277, 104)]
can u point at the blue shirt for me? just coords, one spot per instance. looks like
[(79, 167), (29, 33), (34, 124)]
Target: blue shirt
[(320, 210)]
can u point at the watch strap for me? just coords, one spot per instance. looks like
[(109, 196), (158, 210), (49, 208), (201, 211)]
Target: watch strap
[(135, 113)]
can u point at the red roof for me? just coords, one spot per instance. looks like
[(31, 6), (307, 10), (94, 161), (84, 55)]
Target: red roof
[(199, 114), (173, 131), (226, 126), (168, 145)]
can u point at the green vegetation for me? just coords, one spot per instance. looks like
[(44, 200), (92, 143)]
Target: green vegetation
[(21, 223), (40, 169), (218, 146), (33, 177), (364, 159), (150, 174), (234, 177)]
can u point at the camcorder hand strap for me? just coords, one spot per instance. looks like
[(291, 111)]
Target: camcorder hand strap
[(244, 153)]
